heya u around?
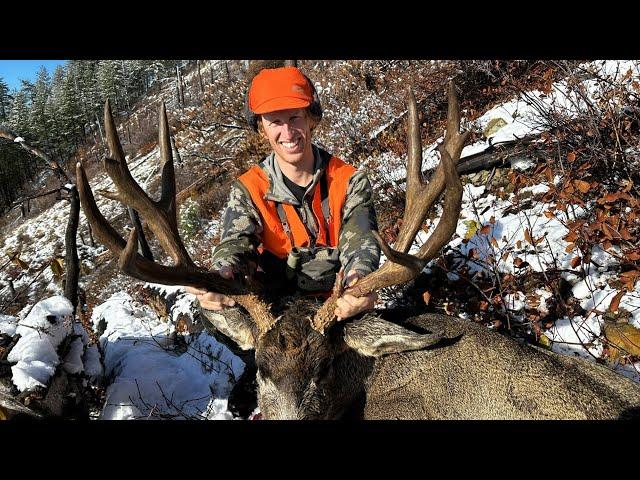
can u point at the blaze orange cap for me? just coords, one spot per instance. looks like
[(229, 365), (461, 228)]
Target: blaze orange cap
[(276, 89)]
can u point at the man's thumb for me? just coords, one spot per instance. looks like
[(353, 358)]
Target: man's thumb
[(352, 278)]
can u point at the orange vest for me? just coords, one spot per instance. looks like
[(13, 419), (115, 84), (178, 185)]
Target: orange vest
[(274, 237)]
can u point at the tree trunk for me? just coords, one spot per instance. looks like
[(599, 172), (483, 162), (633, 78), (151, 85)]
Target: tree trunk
[(180, 87), (71, 257), (176, 153), (142, 240), (100, 129), (200, 78), (93, 244)]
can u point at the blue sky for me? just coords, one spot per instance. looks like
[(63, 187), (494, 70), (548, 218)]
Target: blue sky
[(12, 71)]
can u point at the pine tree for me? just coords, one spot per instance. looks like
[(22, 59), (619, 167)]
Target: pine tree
[(5, 101), (70, 108), (19, 116), (59, 123), (107, 75), (38, 115)]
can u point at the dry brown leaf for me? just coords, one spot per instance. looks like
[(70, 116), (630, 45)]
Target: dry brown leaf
[(575, 261), (583, 186), (609, 232), (57, 266), (615, 302), (572, 236), (17, 261), (622, 337), (630, 278), (527, 236), (633, 256), (426, 296), (625, 234), (549, 174), (571, 157), (609, 198)]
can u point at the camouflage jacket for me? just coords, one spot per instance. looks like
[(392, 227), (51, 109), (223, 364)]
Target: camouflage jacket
[(242, 226)]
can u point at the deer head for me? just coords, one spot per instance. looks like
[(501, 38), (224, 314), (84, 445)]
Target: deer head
[(308, 366)]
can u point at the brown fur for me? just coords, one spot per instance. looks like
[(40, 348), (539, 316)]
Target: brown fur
[(473, 373), (485, 375)]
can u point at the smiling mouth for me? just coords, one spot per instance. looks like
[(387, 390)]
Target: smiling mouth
[(290, 145)]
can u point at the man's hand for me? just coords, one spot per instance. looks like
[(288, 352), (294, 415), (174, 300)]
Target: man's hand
[(348, 305), (213, 300)]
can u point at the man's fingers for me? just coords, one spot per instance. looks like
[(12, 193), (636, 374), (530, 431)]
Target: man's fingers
[(194, 290), (351, 278)]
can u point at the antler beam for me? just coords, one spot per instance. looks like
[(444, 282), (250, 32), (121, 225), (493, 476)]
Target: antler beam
[(161, 218), (402, 267)]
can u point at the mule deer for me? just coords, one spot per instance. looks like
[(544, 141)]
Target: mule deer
[(312, 367)]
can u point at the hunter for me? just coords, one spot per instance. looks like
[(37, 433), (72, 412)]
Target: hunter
[(302, 214)]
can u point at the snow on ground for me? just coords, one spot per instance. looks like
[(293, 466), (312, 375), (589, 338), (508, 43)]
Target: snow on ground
[(35, 356), (40, 239), (152, 375)]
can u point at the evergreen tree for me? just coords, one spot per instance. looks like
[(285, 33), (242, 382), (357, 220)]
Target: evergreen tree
[(19, 116), (107, 77), (70, 108), (40, 122), (60, 139), (5, 101)]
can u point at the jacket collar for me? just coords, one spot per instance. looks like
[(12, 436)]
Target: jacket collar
[(278, 190)]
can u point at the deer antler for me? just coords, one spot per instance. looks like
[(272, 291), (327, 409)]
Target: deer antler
[(402, 267), (161, 218)]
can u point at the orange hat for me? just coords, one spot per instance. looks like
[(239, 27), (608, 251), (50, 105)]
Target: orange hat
[(276, 89)]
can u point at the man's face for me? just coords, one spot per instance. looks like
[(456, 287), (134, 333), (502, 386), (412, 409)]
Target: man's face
[(289, 134)]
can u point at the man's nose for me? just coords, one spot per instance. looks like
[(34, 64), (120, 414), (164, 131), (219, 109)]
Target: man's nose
[(287, 126)]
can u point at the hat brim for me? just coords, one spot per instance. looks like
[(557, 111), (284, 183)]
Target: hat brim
[(282, 103)]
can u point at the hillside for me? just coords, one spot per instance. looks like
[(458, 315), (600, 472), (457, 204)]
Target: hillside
[(545, 248)]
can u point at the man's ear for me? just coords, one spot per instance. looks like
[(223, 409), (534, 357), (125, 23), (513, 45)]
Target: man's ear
[(261, 131)]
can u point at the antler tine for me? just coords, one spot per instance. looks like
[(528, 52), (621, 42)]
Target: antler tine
[(453, 139), (162, 222), (402, 267), (414, 150), (129, 261), (161, 217), (105, 233), (414, 201), (168, 196), (418, 202), (113, 141)]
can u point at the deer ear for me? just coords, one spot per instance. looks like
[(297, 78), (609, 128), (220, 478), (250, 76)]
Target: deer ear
[(373, 337), (232, 323)]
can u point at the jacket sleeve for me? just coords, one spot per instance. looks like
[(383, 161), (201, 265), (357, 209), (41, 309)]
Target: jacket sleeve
[(241, 232), (358, 248)]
